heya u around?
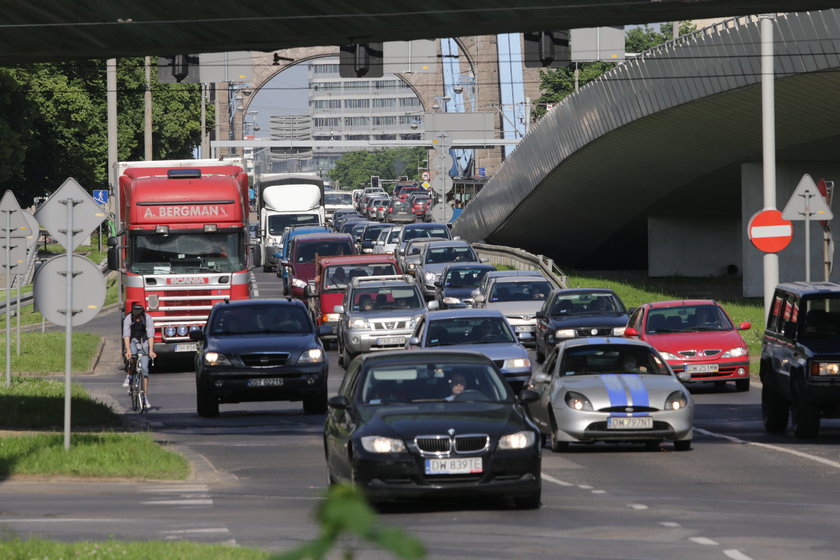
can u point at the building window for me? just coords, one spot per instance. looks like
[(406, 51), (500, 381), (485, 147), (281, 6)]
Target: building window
[(409, 102), (327, 121), (356, 121), (384, 121), (381, 102), (356, 103)]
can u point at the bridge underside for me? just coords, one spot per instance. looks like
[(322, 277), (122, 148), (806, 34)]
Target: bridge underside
[(593, 210)]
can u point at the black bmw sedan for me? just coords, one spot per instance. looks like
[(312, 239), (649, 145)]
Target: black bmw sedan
[(432, 423), (259, 350)]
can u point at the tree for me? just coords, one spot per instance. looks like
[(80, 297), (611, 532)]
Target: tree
[(355, 168), (557, 84)]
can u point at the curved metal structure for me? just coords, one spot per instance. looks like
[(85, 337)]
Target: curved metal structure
[(665, 132)]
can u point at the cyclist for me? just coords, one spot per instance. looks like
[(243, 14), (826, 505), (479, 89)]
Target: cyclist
[(139, 335)]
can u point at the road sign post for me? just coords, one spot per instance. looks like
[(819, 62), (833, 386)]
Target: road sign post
[(805, 203)]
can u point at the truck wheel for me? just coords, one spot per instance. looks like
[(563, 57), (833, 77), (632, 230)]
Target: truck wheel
[(806, 418), (315, 404), (774, 410), (206, 404)]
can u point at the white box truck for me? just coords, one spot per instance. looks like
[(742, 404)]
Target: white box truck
[(286, 200)]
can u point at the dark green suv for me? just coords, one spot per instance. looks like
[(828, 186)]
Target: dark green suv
[(800, 358)]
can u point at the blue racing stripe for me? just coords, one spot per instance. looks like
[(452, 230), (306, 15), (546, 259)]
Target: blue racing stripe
[(615, 390), (638, 391)]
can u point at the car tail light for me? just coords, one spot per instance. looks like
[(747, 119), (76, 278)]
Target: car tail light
[(390, 210)]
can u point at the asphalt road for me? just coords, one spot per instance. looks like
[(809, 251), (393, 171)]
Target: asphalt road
[(259, 473)]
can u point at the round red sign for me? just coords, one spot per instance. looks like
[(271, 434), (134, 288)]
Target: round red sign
[(769, 232)]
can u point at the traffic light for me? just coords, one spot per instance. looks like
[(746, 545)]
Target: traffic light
[(179, 68), (374, 181), (360, 60), (546, 49)]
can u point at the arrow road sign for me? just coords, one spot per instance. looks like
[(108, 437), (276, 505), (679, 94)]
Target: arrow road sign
[(769, 232)]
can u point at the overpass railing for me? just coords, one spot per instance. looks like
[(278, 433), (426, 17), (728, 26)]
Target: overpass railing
[(522, 260)]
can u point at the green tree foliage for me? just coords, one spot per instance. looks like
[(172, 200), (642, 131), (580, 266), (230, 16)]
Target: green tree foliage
[(557, 84), (53, 119), (355, 169)]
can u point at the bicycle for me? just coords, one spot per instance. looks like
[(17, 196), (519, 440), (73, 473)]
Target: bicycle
[(135, 384)]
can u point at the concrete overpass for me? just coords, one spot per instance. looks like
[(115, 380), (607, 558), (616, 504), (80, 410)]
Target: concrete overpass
[(657, 164)]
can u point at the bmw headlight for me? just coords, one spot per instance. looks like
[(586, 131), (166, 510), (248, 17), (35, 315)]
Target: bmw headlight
[(358, 324), (451, 301), (576, 401), (735, 352), (516, 363), (565, 333), (619, 331), (380, 444), (298, 283), (215, 359), (669, 357), (676, 401), (311, 356), (519, 440), (825, 368)]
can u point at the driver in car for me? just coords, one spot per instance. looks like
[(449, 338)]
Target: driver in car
[(457, 384)]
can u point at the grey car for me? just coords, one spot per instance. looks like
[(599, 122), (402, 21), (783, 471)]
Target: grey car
[(435, 257), (476, 330), (518, 298), (377, 313)]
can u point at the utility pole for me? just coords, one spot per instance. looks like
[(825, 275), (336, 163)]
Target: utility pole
[(147, 111)]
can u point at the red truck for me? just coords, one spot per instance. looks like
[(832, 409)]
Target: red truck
[(182, 244), (332, 276)]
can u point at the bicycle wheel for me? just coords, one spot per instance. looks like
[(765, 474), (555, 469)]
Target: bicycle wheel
[(133, 387)]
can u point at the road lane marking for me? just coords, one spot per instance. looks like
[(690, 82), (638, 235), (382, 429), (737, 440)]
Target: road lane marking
[(255, 289), (638, 507), (670, 524), (64, 520), (800, 454), (553, 480), (190, 502), (174, 532), (736, 554), (703, 541), (599, 491), (584, 487), (182, 489)]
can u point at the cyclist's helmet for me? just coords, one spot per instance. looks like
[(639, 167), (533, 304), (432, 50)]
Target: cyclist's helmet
[(136, 310)]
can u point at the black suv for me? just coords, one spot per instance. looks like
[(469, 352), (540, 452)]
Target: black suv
[(800, 358), (259, 350)]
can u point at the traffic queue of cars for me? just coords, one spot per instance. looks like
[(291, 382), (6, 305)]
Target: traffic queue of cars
[(439, 394)]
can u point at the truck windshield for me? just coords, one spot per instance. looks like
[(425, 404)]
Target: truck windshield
[(184, 253), (338, 198), (277, 223)]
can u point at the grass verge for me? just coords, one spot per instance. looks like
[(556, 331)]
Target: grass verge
[(44, 352), (32, 403), (18, 549), (91, 455)]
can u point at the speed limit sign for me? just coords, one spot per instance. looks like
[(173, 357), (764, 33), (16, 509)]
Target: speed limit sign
[(426, 176)]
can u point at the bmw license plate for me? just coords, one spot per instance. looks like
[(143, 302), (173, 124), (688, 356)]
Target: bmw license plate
[(186, 347), (454, 466), (701, 368), (627, 423), (265, 382), (390, 340)]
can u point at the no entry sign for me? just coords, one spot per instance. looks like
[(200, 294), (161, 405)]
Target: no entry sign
[(769, 232)]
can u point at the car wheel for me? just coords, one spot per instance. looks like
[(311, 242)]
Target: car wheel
[(531, 501), (207, 404), (774, 410), (806, 418), (682, 444), (652, 445), (553, 443), (315, 404), (742, 385)]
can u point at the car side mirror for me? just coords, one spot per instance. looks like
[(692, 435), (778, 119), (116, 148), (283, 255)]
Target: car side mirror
[(197, 335), (339, 401), (414, 341), (479, 298), (540, 378), (432, 305), (310, 290), (438, 284), (113, 257), (284, 262), (526, 396), (483, 259), (745, 326), (338, 309), (630, 331), (632, 310)]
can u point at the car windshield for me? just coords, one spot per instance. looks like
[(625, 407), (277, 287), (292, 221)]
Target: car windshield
[(393, 236), (819, 318), (591, 302), (338, 198), (687, 318), (520, 291), (464, 277), (372, 232), (386, 298), (594, 359), (337, 277), (432, 382), (260, 319), (449, 254), (414, 233), (472, 330), (185, 253), (277, 223), (307, 251)]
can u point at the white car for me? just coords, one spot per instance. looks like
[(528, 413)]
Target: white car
[(387, 241)]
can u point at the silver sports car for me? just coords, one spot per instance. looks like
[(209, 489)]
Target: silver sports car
[(610, 389)]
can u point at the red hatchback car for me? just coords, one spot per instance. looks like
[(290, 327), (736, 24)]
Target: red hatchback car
[(696, 336)]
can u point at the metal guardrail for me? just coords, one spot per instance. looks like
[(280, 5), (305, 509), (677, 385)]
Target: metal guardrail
[(523, 260)]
